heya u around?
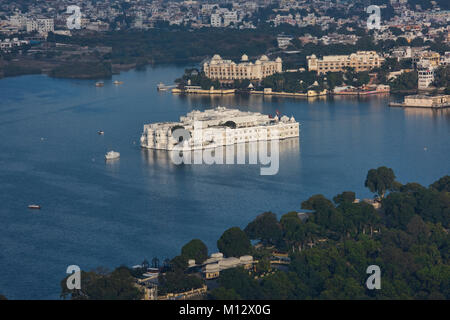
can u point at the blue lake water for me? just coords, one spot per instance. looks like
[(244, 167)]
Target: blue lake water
[(107, 214)]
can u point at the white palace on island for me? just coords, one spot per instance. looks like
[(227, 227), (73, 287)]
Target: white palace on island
[(218, 127)]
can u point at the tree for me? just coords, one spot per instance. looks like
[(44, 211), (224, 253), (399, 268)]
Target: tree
[(443, 184), (265, 228), (117, 285), (380, 180), (234, 243), (346, 196), (195, 249), (222, 293)]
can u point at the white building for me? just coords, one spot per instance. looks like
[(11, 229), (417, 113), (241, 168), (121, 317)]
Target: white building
[(41, 25), (359, 61), (284, 41), (8, 44), (425, 73), (216, 20), (218, 127), (229, 18), (216, 263)]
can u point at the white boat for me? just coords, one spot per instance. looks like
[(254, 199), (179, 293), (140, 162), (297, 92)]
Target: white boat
[(34, 206), (111, 155)]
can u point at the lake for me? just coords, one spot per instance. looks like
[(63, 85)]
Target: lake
[(142, 205)]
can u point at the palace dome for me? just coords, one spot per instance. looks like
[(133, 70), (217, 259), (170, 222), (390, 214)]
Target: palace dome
[(244, 57), (264, 58)]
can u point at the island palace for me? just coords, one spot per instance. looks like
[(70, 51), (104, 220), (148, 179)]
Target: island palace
[(219, 127)]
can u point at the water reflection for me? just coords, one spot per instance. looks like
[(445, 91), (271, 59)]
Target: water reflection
[(427, 113), (288, 148)]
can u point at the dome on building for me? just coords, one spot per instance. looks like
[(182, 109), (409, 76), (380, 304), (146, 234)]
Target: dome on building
[(216, 57), (257, 62), (213, 267), (264, 58), (244, 57), (246, 259), (278, 59), (292, 119), (229, 262), (217, 255)]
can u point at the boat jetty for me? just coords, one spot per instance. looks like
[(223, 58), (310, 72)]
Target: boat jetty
[(162, 87), (423, 101)]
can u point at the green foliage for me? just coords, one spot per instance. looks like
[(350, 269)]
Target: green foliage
[(241, 282), (98, 285), (162, 45), (86, 70), (443, 184), (380, 180), (234, 243), (222, 293), (265, 228), (177, 281), (346, 196), (406, 238), (405, 81), (195, 249)]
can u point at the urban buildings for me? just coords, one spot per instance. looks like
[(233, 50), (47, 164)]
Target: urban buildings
[(220, 69), (359, 61)]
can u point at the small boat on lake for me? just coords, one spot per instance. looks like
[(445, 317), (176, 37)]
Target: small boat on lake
[(34, 206), (100, 132), (99, 84), (111, 155), (116, 82)]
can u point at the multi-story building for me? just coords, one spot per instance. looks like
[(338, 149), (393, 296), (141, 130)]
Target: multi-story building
[(41, 25), (220, 69), (216, 20), (425, 72), (359, 61), (430, 57), (229, 18)]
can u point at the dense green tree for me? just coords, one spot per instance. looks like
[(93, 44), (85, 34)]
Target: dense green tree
[(195, 249), (234, 243), (346, 196), (241, 282), (117, 285), (222, 293), (443, 184), (265, 228), (380, 180), (177, 281)]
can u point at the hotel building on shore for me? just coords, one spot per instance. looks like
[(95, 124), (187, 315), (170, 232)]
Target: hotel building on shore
[(425, 75), (360, 61), (227, 70)]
